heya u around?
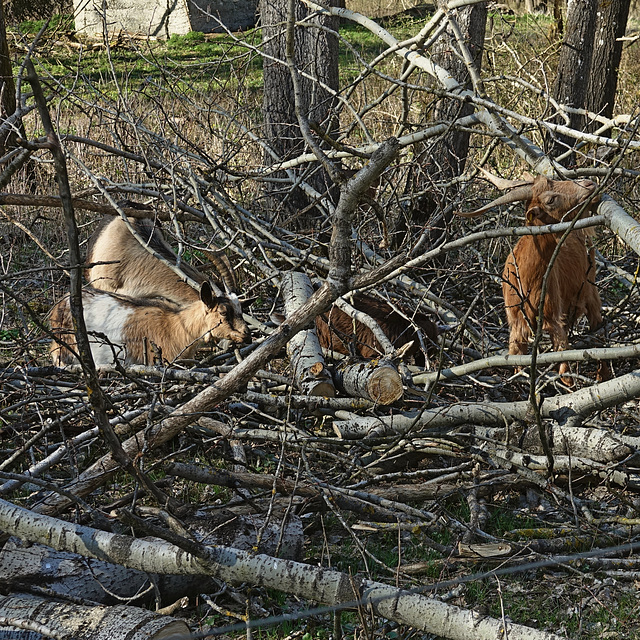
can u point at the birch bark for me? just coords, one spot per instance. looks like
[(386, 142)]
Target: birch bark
[(308, 368)]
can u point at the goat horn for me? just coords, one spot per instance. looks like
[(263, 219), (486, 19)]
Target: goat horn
[(502, 183), (216, 289), (130, 204), (524, 192), (223, 266)]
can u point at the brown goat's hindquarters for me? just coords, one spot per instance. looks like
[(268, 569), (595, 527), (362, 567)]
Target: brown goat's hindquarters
[(338, 332), (103, 313)]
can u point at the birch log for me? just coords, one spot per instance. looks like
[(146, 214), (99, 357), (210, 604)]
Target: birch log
[(376, 380), (597, 445), (582, 467), (71, 574), (567, 410), (620, 222), (308, 368), (306, 581), (351, 426), (66, 621)]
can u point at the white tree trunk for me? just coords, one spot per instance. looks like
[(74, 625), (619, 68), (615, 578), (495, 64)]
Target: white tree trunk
[(441, 619), (67, 621), (620, 222), (593, 444), (306, 581), (308, 368)]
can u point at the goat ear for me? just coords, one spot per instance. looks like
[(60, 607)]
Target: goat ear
[(206, 295), (532, 214)]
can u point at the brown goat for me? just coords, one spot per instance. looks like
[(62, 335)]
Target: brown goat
[(119, 264), (339, 332), (571, 290), (125, 328)]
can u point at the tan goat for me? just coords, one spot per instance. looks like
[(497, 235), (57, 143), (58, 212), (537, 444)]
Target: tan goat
[(571, 290), (129, 329), (119, 264)]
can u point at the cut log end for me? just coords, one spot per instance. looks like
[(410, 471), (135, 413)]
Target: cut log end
[(385, 385), (323, 388), (317, 369), (378, 381)]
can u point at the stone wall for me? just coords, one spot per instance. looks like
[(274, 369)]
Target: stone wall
[(163, 18)]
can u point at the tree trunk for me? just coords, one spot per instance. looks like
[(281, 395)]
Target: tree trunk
[(66, 621), (316, 57), (558, 19), (447, 157), (7, 85), (308, 368), (611, 24), (574, 66)]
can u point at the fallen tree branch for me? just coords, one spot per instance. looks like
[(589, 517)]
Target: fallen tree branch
[(31, 200), (67, 621), (570, 409), (551, 357), (358, 502), (306, 581), (308, 367)]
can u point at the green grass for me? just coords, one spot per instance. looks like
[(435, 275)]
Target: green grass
[(502, 521), (56, 23), (196, 61), (192, 62), (529, 602)]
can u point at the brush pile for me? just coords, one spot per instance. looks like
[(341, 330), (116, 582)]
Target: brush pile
[(372, 422)]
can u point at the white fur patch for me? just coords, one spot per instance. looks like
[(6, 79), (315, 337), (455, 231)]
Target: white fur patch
[(107, 315)]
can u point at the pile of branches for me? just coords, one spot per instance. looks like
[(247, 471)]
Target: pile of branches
[(466, 427)]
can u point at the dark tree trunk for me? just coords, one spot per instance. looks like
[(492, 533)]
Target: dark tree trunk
[(611, 24), (574, 66), (558, 27), (447, 157), (7, 85), (316, 55)]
